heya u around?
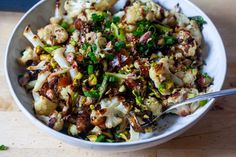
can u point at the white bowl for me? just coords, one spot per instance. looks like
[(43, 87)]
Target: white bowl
[(172, 126)]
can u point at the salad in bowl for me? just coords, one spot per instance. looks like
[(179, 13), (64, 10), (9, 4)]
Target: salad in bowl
[(99, 75)]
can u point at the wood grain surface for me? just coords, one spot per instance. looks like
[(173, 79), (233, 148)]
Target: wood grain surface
[(213, 136)]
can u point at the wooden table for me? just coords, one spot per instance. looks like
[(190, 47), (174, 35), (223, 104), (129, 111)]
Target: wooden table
[(214, 135)]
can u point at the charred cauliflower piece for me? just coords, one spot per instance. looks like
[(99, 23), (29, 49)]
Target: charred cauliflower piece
[(153, 105), (181, 95), (56, 122), (154, 11), (28, 55), (33, 39), (75, 7), (195, 31), (134, 13), (58, 16), (53, 34), (113, 110), (43, 106), (187, 44), (161, 76)]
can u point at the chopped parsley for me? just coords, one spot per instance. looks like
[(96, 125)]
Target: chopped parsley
[(169, 40), (65, 25), (199, 19), (93, 57), (99, 17), (85, 46), (92, 93), (115, 19), (119, 45), (3, 147), (94, 47)]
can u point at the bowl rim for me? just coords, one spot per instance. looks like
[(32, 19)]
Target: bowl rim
[(76, 141)]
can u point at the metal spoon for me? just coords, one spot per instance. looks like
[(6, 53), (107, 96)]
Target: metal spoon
[(206, 96)]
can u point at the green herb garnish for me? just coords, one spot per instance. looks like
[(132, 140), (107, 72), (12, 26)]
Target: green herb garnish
[(144, 26), (110, 57), (199, 19), (85, 46), (93, 57), (101, 138), (65, 25), (108, 24), (90, 69), (3, 147), (92, 93), (99, 17), (71, 30), (146, 48), (115, 19), (94, 47), (119, 45), (169, 40)]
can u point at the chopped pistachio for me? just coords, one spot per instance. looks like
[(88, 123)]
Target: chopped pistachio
[(92, 80)]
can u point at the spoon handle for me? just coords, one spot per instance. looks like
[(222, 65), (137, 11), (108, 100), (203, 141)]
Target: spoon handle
[(203, 97)]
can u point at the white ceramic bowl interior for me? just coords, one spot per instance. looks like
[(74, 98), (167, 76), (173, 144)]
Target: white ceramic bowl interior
[(172, 126)]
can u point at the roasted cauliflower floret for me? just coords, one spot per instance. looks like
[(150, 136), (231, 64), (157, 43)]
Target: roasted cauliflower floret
[(134, 13), (75, 7), (72, 130), (58, 16), (162, 77), (98, 40), (40, 66), (182, 19), (66, 92), (159, 71), (96, 131), (195, 31), (42, 78), (182, 95), (53, 34), (56, 122), (33, 39), (28, 55), (153, 105), (153, 10), (62, 62), (190, 77), (187, 44), (104, 4), (43, 106), (113, 110)]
